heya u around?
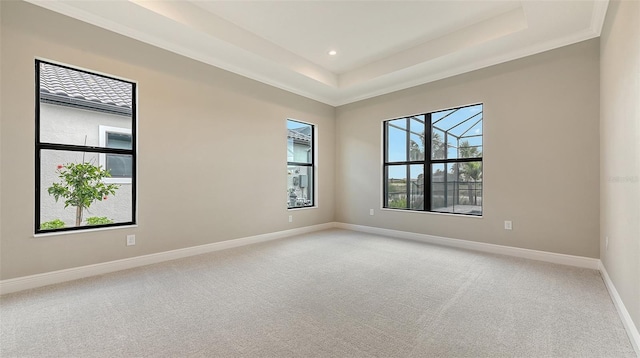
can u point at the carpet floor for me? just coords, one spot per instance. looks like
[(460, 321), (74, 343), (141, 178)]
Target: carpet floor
[(333, 293)]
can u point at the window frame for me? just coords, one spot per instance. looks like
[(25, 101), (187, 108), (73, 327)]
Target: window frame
[(42, 146), (311, 165), (427, 162)]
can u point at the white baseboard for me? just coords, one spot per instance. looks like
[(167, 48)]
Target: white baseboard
[(629, 326), (49, 278), (570, 260)]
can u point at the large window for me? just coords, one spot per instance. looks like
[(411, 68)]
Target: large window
[(433, 161), (300, 164), (85, 149)]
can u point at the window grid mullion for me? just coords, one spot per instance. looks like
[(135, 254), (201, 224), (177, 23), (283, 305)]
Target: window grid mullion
[(408, 166), (457, 160), (300, 164), (37, 148), (427, 161), (385, 187), (87, 149)]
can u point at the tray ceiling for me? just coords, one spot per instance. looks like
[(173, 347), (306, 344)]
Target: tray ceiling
[(382, 46)]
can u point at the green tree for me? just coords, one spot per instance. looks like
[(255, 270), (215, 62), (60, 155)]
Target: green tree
[(465, 150), (81, 185), (416, 151), (437, 146)]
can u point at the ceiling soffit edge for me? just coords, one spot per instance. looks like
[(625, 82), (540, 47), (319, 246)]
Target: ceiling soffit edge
[(181, 27)]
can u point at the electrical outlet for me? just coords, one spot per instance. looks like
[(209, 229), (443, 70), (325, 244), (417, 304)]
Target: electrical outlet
[(508, 225), (131, 240), (290, 218), (370, 211)]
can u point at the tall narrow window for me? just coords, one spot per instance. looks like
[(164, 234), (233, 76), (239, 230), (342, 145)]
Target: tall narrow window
[(85, 149), (433, 161), (300, 164)]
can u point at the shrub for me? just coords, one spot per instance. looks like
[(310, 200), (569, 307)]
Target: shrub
[(398, 203), (53, 224), (99, 220)]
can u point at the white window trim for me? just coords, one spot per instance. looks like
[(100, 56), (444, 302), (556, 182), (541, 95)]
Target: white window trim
[(102, 158)]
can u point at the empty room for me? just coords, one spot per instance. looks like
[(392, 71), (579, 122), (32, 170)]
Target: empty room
[(205, 178)]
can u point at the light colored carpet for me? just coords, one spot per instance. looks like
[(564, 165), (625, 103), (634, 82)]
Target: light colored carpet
[(333, 293)]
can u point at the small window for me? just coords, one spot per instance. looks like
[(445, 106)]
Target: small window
[(119, 166), (85, 149), (300, 164), (433, 161)]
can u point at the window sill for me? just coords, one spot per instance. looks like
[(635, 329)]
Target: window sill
[(303, 207), (116, 180), (83, 231), (434, 213)]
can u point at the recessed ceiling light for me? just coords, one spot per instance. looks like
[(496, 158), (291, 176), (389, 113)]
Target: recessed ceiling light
[(333, 53)]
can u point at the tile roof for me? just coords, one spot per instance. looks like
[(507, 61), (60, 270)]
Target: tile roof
[(84, 89), (301, 134)]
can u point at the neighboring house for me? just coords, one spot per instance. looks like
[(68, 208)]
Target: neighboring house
[(80, 108)]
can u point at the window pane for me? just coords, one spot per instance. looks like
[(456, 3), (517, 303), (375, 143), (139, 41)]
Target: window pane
[(416, 191), (397, 140), (73, 104), (396, 180), (417, 139), (119, 166), (299, 186), (438, 187), (457, 133), (471, 147), (119, 140), (458, 189), (299, 138), (452, 147), (469, 189), (437, 144), (108, 203)]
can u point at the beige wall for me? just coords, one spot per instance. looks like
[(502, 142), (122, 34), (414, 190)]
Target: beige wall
[(212, 147), (541, 166), (620, 151)]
